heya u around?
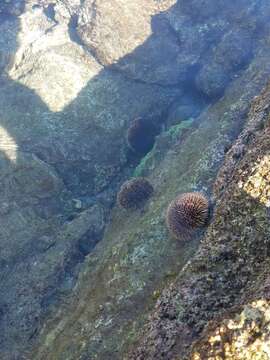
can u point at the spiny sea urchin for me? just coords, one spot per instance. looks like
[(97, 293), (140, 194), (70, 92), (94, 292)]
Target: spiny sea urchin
[(141, 136), (133, 193), (186, 214)]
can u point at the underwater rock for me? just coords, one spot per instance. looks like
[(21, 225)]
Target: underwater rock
[(220, 299), (74, 75), (121, 280)]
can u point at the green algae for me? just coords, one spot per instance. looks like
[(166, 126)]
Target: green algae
[(175, 131), (144, 163), (149, 161)]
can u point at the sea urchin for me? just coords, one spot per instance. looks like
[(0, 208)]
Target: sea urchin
[(141, 136), (133, 193), (186, 214)]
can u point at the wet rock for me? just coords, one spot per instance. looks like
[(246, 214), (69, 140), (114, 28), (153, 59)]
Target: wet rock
[(212, 80), (136, 254), (116, 38), (235, 49), (232, 52), (244, 333), (200, 9), (74, 75), (185, 108), (221, 296)]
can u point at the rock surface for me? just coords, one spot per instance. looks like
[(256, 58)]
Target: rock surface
[(242, 335), (73, 76), (229, 273)]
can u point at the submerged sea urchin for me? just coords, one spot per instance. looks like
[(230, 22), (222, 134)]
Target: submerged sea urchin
[(187, 213), (141, 136), (133, 193)]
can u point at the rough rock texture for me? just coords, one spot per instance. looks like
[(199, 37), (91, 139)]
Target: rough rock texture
[(63, 119), (228, 278), (121, 280), (242, 335), (73, 76), (58, 109), (103, 27)]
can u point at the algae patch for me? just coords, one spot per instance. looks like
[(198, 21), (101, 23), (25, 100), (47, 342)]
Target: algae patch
[(166, 139)]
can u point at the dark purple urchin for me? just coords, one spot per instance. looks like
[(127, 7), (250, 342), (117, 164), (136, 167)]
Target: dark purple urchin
[(186, 214), (133, 193), (141, 136)]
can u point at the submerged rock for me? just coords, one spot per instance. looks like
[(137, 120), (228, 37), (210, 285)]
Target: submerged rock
[(73, 76), (224, 289), (119, 283)]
